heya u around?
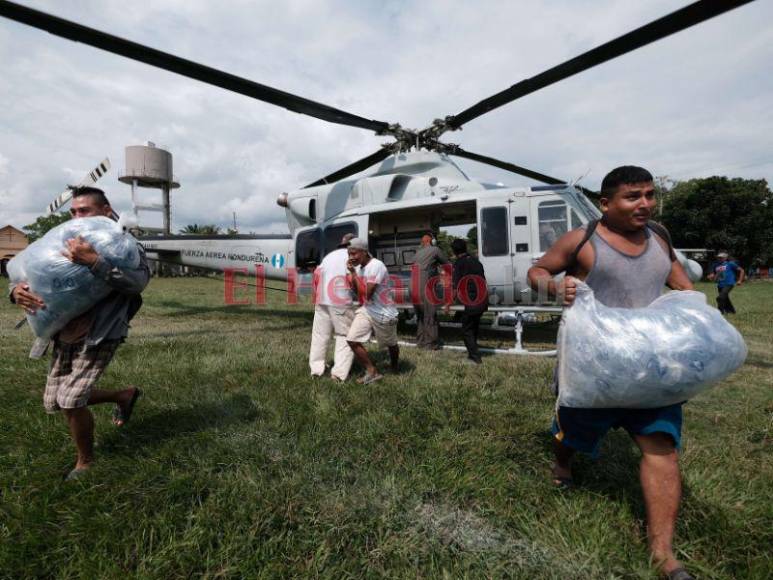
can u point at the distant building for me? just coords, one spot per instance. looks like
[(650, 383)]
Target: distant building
[(12, 241)]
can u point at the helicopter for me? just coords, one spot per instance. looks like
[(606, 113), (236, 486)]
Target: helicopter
[(416, 186)]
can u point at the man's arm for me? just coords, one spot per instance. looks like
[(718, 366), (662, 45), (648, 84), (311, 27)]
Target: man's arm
[(441, 257), (556, 260), (21, 295), (370, 289), (125, 281), (678, 278)]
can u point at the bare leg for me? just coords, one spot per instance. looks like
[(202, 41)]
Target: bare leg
[(121, 398), (362, 357), (81, 423), (662, 488), (394, 358), (562, 468)]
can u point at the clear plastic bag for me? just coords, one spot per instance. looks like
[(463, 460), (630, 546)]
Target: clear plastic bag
[(642, 358), (69, 289)]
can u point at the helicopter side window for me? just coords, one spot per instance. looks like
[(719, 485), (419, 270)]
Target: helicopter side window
[(307, 249), (576, 221), (494, 231), (334, 234), (553, 222), (389, 259)]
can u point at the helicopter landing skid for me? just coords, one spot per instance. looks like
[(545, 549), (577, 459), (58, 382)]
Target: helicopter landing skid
[(506, 319)]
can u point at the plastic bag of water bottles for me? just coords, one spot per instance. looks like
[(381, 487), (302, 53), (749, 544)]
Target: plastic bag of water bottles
[(70, 289), (642, 358)]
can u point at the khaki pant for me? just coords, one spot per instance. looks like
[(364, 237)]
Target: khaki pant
[(331, 320), (363, 326)]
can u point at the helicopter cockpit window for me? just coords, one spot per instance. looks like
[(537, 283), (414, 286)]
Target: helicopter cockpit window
[(494, 231), (307, 249), (552, 222), (334, 234)]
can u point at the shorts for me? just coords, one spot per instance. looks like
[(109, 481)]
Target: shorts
[(583, 429), (363, 325), (73, 372)]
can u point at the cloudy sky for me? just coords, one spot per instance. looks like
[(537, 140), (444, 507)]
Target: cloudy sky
[(696, 104)]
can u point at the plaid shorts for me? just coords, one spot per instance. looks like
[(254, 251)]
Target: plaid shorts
[(74, 370)]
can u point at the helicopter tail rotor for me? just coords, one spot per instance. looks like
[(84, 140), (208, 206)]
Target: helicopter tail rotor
[(91, 178)]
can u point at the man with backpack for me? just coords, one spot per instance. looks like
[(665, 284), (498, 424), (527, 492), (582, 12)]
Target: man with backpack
[(626, 260), (86, 345)]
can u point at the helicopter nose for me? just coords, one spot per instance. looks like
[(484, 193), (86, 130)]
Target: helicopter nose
[(281, 201)]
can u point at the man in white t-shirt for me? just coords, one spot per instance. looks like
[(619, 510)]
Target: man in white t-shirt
[(333, 314), (378, 315)]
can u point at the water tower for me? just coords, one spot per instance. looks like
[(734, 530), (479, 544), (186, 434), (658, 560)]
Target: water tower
[(150, 166)]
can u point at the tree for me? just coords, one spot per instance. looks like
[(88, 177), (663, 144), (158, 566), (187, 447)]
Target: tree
[(206, 230), (444, 240), (472, 240), (44, 223), (720, 213)]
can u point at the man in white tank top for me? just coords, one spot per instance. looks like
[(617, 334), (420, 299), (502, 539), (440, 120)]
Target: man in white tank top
[(626, 262)]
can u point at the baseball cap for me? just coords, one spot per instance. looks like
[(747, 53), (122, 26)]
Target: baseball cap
[(345, 241), (358, 244)]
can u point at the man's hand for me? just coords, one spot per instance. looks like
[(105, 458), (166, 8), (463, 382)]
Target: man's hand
[(447, 309), (79, 251), (567, 290), (27, 300)]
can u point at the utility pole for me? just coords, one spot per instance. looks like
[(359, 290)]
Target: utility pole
[(663, 185)]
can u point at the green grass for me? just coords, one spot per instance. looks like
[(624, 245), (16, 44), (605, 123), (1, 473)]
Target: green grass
[(237, 465)]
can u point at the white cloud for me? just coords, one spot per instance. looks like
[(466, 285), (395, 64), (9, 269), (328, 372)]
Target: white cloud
[(689, 105)]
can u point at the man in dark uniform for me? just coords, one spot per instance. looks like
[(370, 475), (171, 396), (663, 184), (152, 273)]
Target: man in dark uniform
[(427, 259), (469, 282)]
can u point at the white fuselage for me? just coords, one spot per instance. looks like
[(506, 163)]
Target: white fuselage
[(410, 194)]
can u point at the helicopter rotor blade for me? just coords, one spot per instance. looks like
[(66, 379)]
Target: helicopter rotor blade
[(676, 21), (132, 50), (459, 152), (353, 168)]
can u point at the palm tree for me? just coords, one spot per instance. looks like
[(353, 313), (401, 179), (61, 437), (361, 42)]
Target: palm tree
[(208, 229)]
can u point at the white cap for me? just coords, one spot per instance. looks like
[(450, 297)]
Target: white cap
[(358, 244)]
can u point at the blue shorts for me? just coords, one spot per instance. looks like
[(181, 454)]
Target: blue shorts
[(583, 429)]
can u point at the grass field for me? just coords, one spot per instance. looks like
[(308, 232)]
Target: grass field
[(236, 464)]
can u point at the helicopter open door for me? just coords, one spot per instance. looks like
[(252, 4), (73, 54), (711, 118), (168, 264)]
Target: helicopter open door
[(494, 245)]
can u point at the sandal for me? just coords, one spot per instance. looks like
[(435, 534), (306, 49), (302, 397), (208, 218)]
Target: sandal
[(123, 415), (366, 379)]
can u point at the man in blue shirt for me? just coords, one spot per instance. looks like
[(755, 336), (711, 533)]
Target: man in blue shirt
[(726, 272)]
